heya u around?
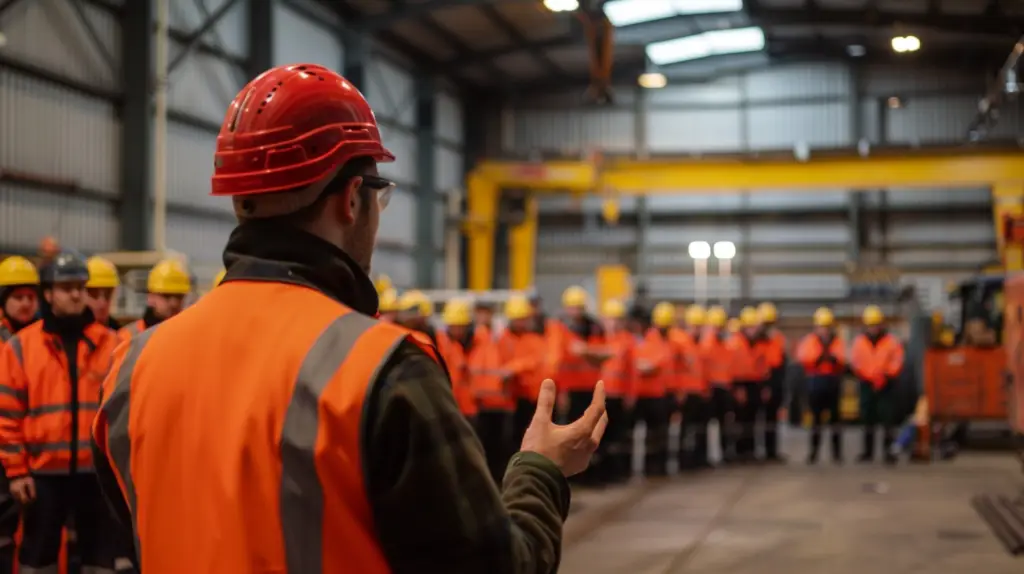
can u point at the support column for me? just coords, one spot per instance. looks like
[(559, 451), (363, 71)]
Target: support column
[(427, 201), (643, 212), (476, 117), (522, 248), (855, 219), (134, 209), (357, 57), (1008, 201), (261, 38), (482, 217)]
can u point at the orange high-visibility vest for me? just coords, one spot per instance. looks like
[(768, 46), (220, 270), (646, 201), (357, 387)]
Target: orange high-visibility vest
[(576, 373), (458, 368), (525, 355), (750, 358), (248, 455), (691, 376), (775, 348), (619, 371), (130, 330), (716, 358), (876, 362), (656, 350), (42, 423), (812, 348)]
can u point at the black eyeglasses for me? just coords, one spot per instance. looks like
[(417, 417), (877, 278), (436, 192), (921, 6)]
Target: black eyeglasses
[(383, 188)]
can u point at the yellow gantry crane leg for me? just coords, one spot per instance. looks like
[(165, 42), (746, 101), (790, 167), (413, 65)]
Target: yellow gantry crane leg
[(1001, 170), (1008, 201)]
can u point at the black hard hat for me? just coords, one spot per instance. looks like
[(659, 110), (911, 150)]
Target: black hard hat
[(67, 266)]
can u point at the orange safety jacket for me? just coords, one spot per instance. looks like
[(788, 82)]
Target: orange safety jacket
[(750, 358), (6, 330), (877, 361), (248, 456), (46, 407), (575, 372), (455, 357), (716, 358), (619, 371), (775, 348), (487, 378), (654, 349), (525, 356), (813, 349), (691, 376), (130, 330)]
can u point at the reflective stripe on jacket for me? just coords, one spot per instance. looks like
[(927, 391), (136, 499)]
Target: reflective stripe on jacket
[(811, 354), (44, 415), (248, 456), (130, 330)]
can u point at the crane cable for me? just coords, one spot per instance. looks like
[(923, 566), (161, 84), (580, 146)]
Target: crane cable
[(601, 50)]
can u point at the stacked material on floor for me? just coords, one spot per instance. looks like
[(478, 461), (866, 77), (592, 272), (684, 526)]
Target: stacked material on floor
[(1005, 517)]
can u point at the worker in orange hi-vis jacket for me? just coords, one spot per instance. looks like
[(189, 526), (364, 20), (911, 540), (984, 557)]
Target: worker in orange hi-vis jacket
[(653, 368), (750, 379), (694, 405), (717, 366), (822, 355), (613, 459), (773, 394), (877, 360), (523, 354)]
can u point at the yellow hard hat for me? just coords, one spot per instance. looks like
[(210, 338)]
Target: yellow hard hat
[(383, 283), (947, 338), (169, 277), (767, 312), (518, 307), (457, 313), (696, 316), (717, 317), (17, 270), (749, 317), (613, 309), (387, 302), (938, 319), (734, 325), (664, 314), (218, 278), (102, 274), (823, 317), (574, 296), (416, 301), (873, 315)]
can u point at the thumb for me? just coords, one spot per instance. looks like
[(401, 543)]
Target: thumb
[(545, 401)]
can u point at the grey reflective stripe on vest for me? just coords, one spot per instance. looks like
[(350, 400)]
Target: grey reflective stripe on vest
[(117, 409), (5, 333), (302, 512), (19, 352)]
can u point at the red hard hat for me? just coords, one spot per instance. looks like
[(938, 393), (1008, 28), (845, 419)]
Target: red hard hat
[(290, 127)]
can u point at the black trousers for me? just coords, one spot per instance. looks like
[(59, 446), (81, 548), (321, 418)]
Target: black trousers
[(613, 459), (770, 414), (98, 536), (723, 410), (578, 403), (823, 397), (521, 419), (495, 431), (654, 412), (746, 416), (878, 408), (693, 435), (9, 514)]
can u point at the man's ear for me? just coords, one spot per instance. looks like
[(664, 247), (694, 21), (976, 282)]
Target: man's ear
[(349, 205)]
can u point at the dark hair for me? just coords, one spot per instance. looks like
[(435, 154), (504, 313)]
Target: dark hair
[(307, 215)]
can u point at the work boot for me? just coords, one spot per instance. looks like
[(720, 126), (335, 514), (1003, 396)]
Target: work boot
[(868, 454), (837, 447), (812, 455)]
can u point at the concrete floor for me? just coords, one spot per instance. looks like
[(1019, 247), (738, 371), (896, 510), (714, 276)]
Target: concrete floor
[(796, 519)]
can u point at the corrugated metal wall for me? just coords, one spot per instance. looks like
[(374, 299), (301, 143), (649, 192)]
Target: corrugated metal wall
[(72, 136), (937, 234)]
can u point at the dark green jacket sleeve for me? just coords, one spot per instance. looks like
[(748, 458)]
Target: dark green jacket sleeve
[(435, 506)]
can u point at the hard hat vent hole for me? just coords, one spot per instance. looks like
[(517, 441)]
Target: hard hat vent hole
[(301, 68)]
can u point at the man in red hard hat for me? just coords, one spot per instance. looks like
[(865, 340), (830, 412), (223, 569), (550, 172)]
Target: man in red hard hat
[(315, 438)]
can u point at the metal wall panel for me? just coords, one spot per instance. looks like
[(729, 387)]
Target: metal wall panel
[(49, 34), (951, 258), (190, 168), (398, 221), (440, 208), (29, 215), (448, 113), (297, 40), (934, 119), (573, 131), (580, 260), (725, 91), (448, 165), (54, 132), (203, 85), (391, 92), (903, 197), (723, 202), (682, 236), (230, 34), (785, 126), (904, 230), (797, 82), (400, 267), (694, 131), (684, 287), (202, 240), (403, 143), (818, 286), (819, 198), (888, 81), (810, 233), (596, 237)]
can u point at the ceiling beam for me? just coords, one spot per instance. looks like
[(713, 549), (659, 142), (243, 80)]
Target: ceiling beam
[(416, 11), (509, 29), (448, 37)]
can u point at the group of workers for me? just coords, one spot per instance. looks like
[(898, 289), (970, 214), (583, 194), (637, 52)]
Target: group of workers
[(59, 339), (658, 367)]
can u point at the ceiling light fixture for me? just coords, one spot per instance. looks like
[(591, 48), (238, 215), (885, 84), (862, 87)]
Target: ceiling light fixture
[(856, 50), (905, 44), (652, 80), (697, 46), (894, 103), (562, 5)]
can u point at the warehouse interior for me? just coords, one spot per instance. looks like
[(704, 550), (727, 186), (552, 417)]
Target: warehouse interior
[(807, 153)]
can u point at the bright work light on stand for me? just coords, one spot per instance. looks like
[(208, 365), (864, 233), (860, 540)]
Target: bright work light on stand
[(652, 80), (562, 5)]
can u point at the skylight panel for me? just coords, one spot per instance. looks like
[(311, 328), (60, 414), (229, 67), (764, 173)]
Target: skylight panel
[(629, 12), (716, 43)]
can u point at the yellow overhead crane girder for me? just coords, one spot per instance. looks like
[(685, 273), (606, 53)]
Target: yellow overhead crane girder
[(1002, 170)]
